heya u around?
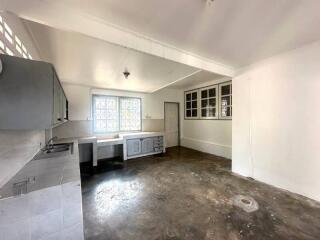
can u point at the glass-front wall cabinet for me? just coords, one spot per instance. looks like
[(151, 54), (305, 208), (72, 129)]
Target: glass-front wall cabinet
[(212, 102)]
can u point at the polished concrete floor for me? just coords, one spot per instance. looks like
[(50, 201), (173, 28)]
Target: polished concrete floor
[(186, 194)]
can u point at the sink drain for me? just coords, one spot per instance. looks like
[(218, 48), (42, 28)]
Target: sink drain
[(247, 203)]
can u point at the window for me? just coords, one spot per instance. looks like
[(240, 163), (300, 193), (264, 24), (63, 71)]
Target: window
[(225, 100), (130, 114), (215, 102), (209, 101), (191, 106), (114, 114)]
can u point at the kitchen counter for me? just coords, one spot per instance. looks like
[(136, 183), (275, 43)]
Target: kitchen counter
[(51, 204), (13, 160), (47, 172)]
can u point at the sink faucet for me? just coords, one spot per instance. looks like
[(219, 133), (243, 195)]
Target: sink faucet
[(50, 142)]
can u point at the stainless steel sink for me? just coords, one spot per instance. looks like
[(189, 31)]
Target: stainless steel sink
[(55, 150)]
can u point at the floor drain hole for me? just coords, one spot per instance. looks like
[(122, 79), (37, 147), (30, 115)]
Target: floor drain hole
[(247, 203)]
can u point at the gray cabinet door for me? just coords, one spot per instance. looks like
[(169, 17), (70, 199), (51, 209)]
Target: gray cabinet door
[(26, 93), (147, 145), (133, 147)]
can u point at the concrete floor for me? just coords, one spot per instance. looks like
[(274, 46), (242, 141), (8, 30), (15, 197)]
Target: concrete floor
[(186, 194)]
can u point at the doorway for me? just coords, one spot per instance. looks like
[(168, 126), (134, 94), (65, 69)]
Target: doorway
[(171, 124)]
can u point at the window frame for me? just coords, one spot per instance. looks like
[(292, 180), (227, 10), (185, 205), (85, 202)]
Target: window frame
[(118, 112), (185, 104), (220, 100), (218, 87), (207, 98)]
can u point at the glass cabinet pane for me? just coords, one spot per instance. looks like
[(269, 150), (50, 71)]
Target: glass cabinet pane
[(212, 92), (212, 112), (204, 93), (188, 105), (225, 101), (212, 102), (204, 103), (203, 112), (194, 112), (226, 90), (226, 111)]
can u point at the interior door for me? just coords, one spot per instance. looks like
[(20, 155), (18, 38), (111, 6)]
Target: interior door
[(171, 115)]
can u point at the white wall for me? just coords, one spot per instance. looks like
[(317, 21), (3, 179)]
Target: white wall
[(211, 136), (276, 121)]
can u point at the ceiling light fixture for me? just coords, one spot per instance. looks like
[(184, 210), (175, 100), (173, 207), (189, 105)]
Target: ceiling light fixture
[(126, 74)]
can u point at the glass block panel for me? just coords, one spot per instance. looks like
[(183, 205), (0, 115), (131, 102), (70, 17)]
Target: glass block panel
[(106, 115), (188, 96), (188, 105), (225, 101), (204, 103), (204, 93), (130, 114), (212, 92), (194, 96), (226, 90), (212, 102)]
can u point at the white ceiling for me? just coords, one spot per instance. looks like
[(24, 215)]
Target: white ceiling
[(84, 60), (236, 33), (197, 78)]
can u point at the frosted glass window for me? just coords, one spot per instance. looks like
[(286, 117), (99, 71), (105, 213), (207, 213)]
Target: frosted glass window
[(130, 114), (105, 114), (113, 114)]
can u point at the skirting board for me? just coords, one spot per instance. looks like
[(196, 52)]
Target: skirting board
[(207, 147)]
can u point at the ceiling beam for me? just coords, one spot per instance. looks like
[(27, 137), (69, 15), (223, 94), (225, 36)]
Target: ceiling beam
[(57, 15)]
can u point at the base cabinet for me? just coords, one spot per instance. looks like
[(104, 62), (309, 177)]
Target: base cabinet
[(133, 147), (139, 147)]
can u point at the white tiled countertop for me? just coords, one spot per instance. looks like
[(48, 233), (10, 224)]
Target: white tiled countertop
[(52, 208), (13, 160)]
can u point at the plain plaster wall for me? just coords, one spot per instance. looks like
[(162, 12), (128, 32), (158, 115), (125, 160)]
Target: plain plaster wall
[(276, 122), (211, 136)]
